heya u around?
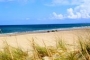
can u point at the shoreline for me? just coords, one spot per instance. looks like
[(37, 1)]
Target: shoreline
[(23, 40), (42, 31)]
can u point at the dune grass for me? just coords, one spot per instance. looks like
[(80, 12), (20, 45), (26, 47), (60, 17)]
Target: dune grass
[(11, 53), (15, 54), (60, 52)]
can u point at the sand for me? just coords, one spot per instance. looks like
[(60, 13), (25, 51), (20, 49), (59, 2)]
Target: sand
[(24, 40)]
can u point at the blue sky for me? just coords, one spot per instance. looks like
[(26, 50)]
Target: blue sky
[(44, 11)]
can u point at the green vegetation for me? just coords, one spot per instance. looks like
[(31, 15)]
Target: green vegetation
[(11, 53)]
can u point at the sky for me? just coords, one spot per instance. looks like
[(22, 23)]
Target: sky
[(44, 11)]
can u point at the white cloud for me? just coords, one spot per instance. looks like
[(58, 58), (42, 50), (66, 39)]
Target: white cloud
[(80, 11), (64, 2), (72, 15), (58, 2), (76, 2), (56, 16)]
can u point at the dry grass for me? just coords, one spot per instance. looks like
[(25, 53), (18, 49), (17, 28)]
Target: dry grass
[(11, 53), (60, 52)]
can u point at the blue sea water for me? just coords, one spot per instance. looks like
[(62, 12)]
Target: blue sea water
[(41, 27)]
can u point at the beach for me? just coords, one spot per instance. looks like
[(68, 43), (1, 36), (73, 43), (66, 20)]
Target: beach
[(48, 38)]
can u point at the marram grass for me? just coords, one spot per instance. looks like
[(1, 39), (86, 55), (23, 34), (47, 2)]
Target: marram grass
[(12, 53), (60, 52)]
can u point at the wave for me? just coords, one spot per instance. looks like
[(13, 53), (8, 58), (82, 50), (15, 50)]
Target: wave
[(45, 30)]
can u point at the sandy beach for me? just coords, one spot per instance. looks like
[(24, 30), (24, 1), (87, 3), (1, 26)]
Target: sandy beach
[(24, 40)]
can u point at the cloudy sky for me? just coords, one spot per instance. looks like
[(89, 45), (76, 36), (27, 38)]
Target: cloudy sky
[(44, 11)]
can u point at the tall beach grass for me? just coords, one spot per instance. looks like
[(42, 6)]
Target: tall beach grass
[(59, 52)]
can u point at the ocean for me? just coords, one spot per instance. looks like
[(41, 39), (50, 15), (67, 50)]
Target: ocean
[(39, 27)]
